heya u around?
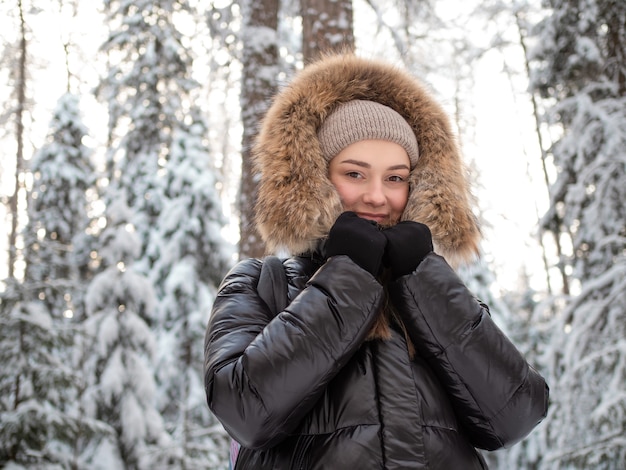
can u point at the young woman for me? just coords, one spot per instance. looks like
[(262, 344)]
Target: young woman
[(382, 358)]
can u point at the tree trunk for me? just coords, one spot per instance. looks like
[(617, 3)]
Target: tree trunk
[(327, 25), (19, 136), (544, 158), (259, 82)]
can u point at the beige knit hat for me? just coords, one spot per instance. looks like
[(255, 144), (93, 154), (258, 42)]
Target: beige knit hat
[(358, 120)]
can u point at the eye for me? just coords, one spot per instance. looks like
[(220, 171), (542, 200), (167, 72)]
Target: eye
[(354, 174), (396, 179)]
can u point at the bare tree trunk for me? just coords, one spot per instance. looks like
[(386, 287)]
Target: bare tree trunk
[(67, 44), (19, 136), (259, 82), (544, 157), (616, 45), (327, 25)]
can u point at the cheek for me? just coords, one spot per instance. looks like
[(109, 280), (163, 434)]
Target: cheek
[(347, 194), (399, 201)]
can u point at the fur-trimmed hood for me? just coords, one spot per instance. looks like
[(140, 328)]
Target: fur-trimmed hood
[(297, 204)]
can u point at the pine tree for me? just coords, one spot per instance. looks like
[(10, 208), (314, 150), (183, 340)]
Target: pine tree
[(119, 353), (190, 259), (146, 89), (159, 172), (580, 72), (36, 385), (63, 173), (40, 419)]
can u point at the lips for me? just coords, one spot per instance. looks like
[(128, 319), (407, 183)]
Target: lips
[(379, 218)]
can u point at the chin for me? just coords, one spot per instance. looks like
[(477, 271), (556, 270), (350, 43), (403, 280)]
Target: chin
[(387, 224)]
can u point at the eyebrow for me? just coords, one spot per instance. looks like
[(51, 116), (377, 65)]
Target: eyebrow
[(401, 166)]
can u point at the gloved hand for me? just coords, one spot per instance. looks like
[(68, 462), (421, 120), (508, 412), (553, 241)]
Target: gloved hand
[(408, 243), (358, 238)]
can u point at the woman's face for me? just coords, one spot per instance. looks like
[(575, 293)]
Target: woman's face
[(371, 177)]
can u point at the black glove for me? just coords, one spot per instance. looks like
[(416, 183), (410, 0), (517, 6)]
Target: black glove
[(408, 243), (358, 238)]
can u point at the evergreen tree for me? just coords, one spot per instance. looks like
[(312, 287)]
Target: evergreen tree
[(36, 385), (57, 211), (40, 419), (147, 92), (190, 259), (119, 354), (160, 170), (580, 71)]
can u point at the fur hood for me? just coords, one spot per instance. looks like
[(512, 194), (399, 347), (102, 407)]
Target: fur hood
[(297, 204)]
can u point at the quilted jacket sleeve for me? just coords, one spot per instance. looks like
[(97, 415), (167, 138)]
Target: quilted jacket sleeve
[(263, 373), (496, 395)]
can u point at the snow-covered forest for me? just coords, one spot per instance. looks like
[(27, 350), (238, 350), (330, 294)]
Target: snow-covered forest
[(126, 194)]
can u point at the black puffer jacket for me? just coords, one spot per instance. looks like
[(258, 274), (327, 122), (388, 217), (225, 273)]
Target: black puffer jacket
[(305, 390)]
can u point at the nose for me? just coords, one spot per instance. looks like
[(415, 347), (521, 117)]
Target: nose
[(374, 194)]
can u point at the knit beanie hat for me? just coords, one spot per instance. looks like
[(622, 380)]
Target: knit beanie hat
[(358, 120)]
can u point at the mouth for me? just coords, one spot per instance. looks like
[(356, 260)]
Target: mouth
[(378, 218)]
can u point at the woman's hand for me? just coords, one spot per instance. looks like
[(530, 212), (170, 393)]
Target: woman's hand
[(358, 238), (408, 243)]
